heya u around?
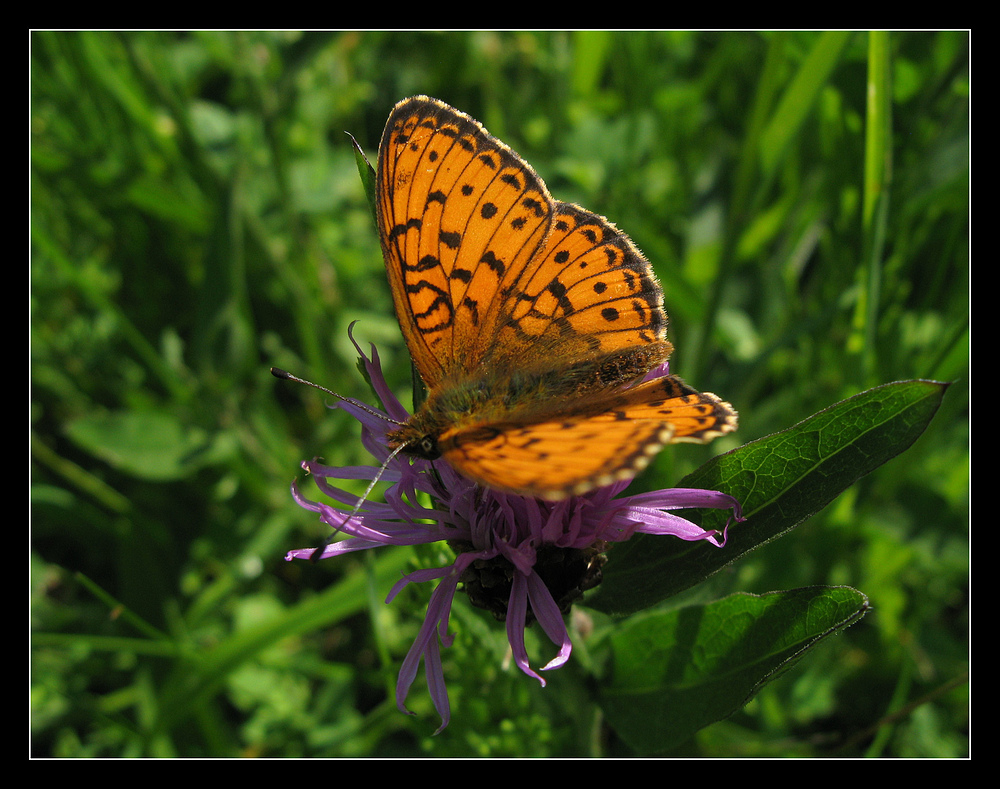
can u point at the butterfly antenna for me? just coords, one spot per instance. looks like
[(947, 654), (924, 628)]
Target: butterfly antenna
[(318, 552), (277, 372)]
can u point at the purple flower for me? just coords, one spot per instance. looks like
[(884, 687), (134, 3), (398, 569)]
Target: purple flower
[(522, 558)]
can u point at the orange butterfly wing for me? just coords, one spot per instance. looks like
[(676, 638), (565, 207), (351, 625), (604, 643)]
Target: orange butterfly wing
[(482, 263), (604, 441), (493, 282), (587, 292), (460, 217)]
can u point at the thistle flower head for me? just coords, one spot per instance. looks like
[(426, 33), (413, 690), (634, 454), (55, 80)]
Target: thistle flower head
[(523, 559)]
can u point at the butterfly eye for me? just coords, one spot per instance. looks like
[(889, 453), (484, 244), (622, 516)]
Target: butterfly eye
[(429, 448)]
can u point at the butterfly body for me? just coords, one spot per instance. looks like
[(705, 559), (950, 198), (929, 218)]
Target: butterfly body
[(525, 393), (531, 322)]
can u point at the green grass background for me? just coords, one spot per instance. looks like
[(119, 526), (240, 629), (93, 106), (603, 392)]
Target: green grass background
[(197, 216)]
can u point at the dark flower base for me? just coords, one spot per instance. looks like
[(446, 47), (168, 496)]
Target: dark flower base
[(567, 573)]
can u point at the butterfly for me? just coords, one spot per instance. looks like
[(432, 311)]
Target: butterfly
[(532, 323)]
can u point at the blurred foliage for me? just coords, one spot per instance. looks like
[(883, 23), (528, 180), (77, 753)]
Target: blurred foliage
[(196, 217)]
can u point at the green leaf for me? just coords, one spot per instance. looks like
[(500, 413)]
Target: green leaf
[(675, 672), (798, 99), (780, 480), (198, 679), (367, 173), (877, 191), (146, 445)]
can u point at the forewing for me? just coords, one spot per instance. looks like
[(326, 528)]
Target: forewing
[(460, 217)]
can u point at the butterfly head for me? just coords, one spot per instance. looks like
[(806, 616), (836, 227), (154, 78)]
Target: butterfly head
[(414, 441)]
